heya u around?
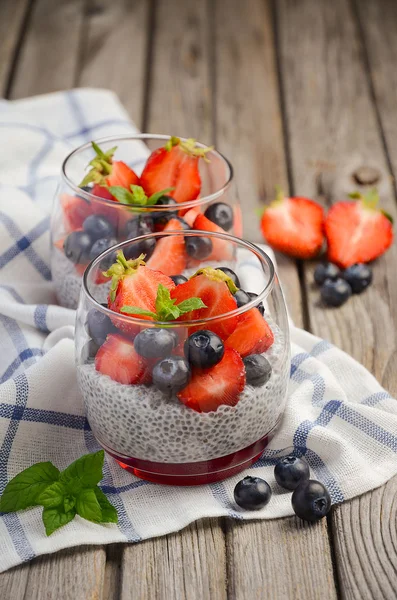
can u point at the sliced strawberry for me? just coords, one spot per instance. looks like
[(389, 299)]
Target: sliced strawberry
[(169, 255), (216, 296), (80, 269), (294, 226), (210, 388), (118, 359), (106, 171), (59, 244), (121, 174), (357, 231), (221, 249), (252, 334), (75, 211), (190, 216)]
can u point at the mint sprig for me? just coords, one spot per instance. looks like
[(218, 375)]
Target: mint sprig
[(136, 196), (166, 309), (62, 494)]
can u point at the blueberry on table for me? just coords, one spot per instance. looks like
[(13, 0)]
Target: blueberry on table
[(100, 246), (290, 471), (230, 274), (359, 277), (252, 493), (260, 306), (204, 349), (98, 227), (241, 298), (221, 214), (99, 325), (198, 247), (258, 370), (177, 279), (155, 343), (325, 271), (311, 500), (171, 374), (77, 247), (335, 293), (161, 217)]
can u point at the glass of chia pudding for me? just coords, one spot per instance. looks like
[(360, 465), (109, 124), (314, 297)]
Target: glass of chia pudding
[(183, 377), (124, 187)]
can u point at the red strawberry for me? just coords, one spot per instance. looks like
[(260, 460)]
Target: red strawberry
[(175, 165), (106, 171), (102, 192), (252, 334), (122, 175), (118, 359), (216, 296), (169, 255), (221, 249), (357, 231), (190, 216), (210, 388), (75, 211), (294, 226)]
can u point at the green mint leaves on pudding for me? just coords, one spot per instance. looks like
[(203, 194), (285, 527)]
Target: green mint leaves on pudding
[(136, 196), (61, 494), (166, 307)]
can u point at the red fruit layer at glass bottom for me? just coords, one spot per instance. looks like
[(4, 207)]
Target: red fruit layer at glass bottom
[(195, 473)]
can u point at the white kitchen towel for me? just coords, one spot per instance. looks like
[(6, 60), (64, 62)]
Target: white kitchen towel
[(337, 415)]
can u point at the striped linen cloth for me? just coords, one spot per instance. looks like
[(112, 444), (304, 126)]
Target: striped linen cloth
[(337, 415)]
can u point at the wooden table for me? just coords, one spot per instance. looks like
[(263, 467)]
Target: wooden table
[(301, 93)]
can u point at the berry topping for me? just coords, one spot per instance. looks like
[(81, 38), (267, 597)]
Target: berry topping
[(204, 349), (75, 211), (311, 500), (294, 226), (252, 493), (118, 359), (241, 298), (166, 308), (221, 384), (222, 249), (325, 271), (98, 227), (260, 306), (252, 334), (77, 247), (198, 247), (230, 274), (100, 246), (169, 256), (335, 293), (258, 370), (359, 277), (106, 171), (177, 279), (155, 343), (290, 471), (137, 226), (221, 214), (171, 374), (98, 325), (162, 217)]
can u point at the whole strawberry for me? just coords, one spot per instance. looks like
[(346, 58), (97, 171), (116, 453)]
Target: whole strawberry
[(294, 226), (357, 231)]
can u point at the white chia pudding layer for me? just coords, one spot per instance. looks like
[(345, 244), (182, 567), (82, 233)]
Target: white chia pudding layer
[(140, 422)]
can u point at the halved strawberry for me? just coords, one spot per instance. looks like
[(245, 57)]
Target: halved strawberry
[(357, 231), (75, 211), (122, 175), (222, 384), (294, 226), (190, 216), (175, 165), (118, 359), (216, 296), (102, 192), (169, 255), (221, 249), (252, 334), (106, 171)]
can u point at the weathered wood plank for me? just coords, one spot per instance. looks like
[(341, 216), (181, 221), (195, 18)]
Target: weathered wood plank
[(114, 50), (12, 17), (333, 132), (13, 583), (50, 52)]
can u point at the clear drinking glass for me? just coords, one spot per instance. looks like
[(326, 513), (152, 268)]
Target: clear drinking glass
[(211, 422), (72, 205)]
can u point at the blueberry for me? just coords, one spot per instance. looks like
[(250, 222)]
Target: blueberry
[(100, 246), (335, 293), (252, 493), (204, 349), (161, 218), (145, 247), (358, 276), (258, 370), (198, 247), (138, 226), (290, 471), (241, 298), (171, 374), (88, 352), (230, 274), (98, 227), (155, 343), (260, 306), (325, 271), (177, 279), (98, 325), (311, 500), (221, 214), (77, 247)]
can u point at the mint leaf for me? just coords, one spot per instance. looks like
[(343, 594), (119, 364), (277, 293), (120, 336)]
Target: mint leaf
[(54, 518), (85, 472), (122, 194), (25, 488), (191, 304), (163, 297), (138, 194), (135, 310), (88, 506), (109, 513), (166, 309), (53, 495), (69, 503), (154, 198)]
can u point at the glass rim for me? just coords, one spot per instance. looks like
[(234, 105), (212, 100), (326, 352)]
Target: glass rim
[(149, 207), (253, 248)]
